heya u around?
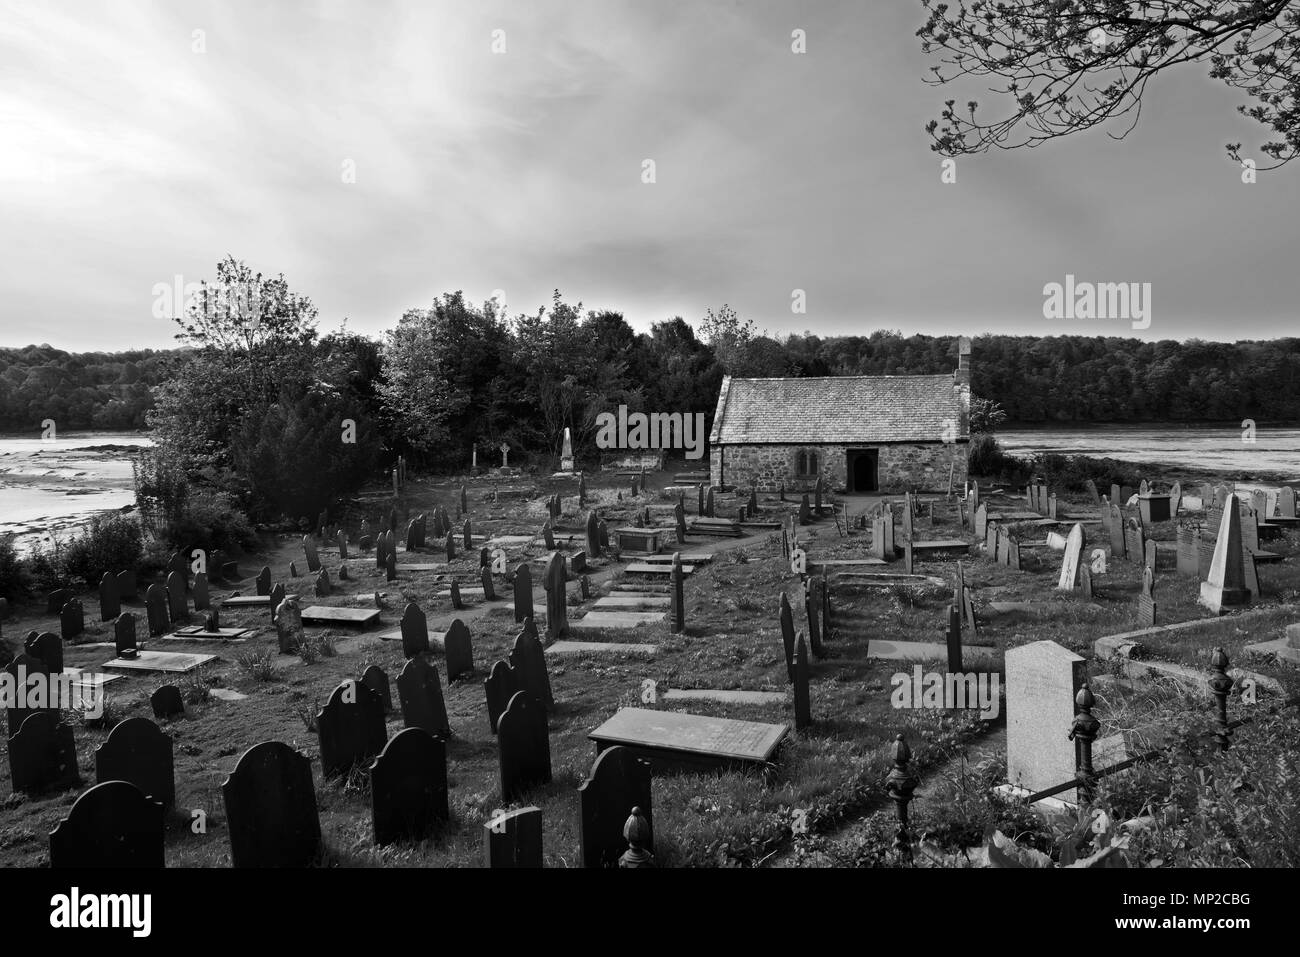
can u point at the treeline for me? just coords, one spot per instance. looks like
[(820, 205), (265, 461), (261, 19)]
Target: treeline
[(79, 390)]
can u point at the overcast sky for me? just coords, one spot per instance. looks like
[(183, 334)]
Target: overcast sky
[(127, 158)]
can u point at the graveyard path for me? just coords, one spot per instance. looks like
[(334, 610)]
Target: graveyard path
[(936, 787)]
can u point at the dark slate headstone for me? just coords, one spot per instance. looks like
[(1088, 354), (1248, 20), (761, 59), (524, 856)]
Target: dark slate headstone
[(46, 647), (199, 591), (412, 535), (1085, 580), (277, 599), (524, 747), (708, 503), (805, 511), (177, 606), (309, 549), (593, 535), (376, 679), (167, 703), (110, 601), (499, 687), (408, 786), (459, 650), (341, 541), (557, 598), (28, 672), (390, 567), (263, 581), (271, 808), (415, 631), (111, 825), (619, 781), (529, 661), (802, 708), (419, 690), (514, 838), (43, 754), (350, 728), (72, 619), (127, 589), (812, 607), (523, 592), (138, 751), (954, 640), (155, 610), (677, 596), (489, 590), (786, 617), (450, 545), (322, 584), (56, 599), (456, 601), (124, 638), (604, 536)]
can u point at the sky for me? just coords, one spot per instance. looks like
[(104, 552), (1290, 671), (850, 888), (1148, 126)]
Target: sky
[(141, 143)]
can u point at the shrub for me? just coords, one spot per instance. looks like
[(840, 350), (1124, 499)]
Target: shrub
[(210, 520), (987, 460), (1073, 471), (108, 543), (44, 566), (13, 575)]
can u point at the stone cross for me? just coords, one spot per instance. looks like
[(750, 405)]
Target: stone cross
[(504, 448)]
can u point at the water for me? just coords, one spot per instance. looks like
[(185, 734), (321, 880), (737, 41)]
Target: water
[(51, 487), (1215, 449)]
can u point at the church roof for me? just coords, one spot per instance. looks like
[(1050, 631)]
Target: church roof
[(838, 409)]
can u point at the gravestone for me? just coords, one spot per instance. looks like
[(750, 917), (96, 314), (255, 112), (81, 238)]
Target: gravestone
[(263, 581), (524, 747), (812, 606), (523, 586), (557, 599), (271, 809), (1042, 680), (708, 503), (981, 521), (604, 536), (529, 661), (548, 536), (309, 549), (376, 679), (1249, 522), (167, 703), (72, 619), (127, 589), (499, 687), (619, 781), (323, 584), (459, 650), (1117, 549), (412, 537), (1286, 502), (124, 641), (1134, 540), (293, 570), (805, 512), (1072, 560), (408, 785), (514, 839), (275, 600), (138, 751), (467, 536), (110, 602), (43, 753), (954, 640), (390, 566), (341, 542), (579, 562), (350, 728), (677, 604), (593, 536), (110, 825), (381, 545), (679, 518), (29, 675), (288, 626), (415, 631), (454, 594), (47, 648), (786, 618), (489, 590), (1189, 547), (1149, 558), (450, 545), (177, 606), (56, 599), (1085, 580), (802, 708), (1225, 585), (1146, 615), (1091, 488), (1175, 499), (1250, 574), (419, 691), (199, 591)]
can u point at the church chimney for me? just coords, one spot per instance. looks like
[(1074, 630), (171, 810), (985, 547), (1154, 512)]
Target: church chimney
[(962, 376)]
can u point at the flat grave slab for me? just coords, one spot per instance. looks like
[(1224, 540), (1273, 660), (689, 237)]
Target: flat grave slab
[(326, 615), (511, 539), (617, 619), (724, 696), (694, 558), (941, 545), (884, 579), (689, 741), (226, 694), (1278, 646), (1018, 517), (925, 651), (635, 601), (600, 647), (85, 680), (845, 562), (199, 633), (421, 567), (247, 601), (168, 661), (648, 568)]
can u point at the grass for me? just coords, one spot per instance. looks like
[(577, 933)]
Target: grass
[(821, 777)]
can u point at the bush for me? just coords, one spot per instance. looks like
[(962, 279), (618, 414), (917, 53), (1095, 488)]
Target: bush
[(13, 576), (108, 543), (986, 459), (1073, 471), (210, 520)]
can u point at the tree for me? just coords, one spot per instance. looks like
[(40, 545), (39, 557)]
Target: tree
[(1068, 65)]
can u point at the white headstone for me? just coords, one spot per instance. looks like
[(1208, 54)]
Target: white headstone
[(1074, 543), (1042, 680)]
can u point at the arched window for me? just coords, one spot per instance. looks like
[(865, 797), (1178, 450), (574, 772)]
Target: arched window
[(812, 463), (801, 463)]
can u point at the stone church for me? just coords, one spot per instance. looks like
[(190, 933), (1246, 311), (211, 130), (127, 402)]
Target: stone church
[(857, 433)]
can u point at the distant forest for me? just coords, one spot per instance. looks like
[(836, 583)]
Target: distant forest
[(1036, 380)]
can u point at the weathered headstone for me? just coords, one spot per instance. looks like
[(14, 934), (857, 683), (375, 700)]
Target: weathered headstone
[(1042, 681), (802, 707), (263, 581), (1117, 544), (309, 549), (419, 690), (619, 781), (1286, 502), (408, 784), (47, 648), (167, 703), (981, 521), (499, 687), (1146, 613), (523, 587), (43, 753), (111, 825), (72, 619), (459, 650), (677, 603), (1189, 547), (288, 626), (514, 839), (376, 679), (124, 640), (557, 599), (110, 602), (271, 808), (805, 511), (1072, 560), (529, 661), (199, 592), (524, 747), (785, 615), (138, 751), (350, 728)]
